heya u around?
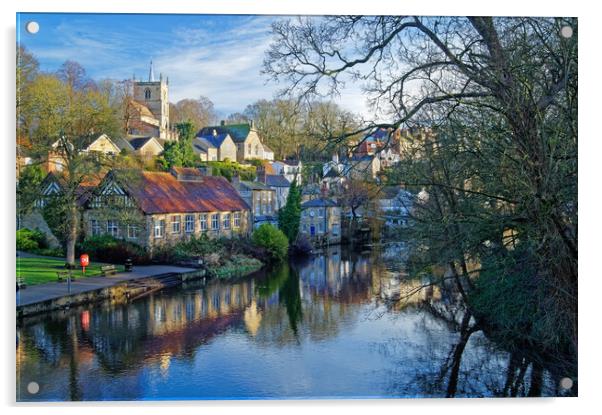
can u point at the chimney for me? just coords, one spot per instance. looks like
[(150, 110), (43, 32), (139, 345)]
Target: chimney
[(335, 158), (214, 132), (222, 122), (252, 123), (261, 175)]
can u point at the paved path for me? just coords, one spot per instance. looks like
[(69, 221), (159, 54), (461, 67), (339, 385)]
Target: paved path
[(43, 292)]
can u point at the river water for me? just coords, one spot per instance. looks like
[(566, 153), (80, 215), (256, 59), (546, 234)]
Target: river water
[(336, 325)]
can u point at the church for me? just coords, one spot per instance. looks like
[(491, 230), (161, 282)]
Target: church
[(148, 110)]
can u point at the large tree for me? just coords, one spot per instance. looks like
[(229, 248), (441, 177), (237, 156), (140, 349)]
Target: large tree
[(200, 112), (59, 114), (512, 80)]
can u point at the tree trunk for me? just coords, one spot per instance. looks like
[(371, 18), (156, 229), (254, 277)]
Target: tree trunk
[(72, 220)]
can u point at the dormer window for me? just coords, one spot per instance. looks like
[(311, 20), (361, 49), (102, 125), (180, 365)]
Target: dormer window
[(147, 93)]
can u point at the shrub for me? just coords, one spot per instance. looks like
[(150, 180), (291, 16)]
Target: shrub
[(273, 240), (26, 240), (302, 245), (105, 248)]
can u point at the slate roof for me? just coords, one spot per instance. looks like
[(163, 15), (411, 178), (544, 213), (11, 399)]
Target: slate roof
[(332, 173), (159, 192), (139, 142), (320, 202), (122, 143), (254, 185), (276, 180), (238, 132), (214, 140)]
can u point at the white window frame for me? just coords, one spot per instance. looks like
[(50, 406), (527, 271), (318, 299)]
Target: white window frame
[(215, 220), (203, 221), (113, 228), (226, 221), (95, 227), (189, 224), (237, 219), (159, 228), (176, 220), (132, 231)]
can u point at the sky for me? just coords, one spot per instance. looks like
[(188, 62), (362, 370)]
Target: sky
[(217, 56)]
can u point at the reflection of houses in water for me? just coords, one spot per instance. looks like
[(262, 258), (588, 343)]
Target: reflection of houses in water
[(398, 291), (333, 275)]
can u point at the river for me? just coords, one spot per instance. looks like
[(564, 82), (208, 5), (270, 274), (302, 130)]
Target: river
[(336, 325)]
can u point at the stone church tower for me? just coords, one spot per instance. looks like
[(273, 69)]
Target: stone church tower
[(154, 95)]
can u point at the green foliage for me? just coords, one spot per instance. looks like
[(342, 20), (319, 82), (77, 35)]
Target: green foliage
[(109, 249), (273, 240), (179, 153), (228, 168), (55, 214), (290, 215), (30, 179), (28, 240)]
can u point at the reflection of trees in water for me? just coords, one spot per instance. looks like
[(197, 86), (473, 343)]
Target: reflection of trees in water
[(443, 354), (461, 363)]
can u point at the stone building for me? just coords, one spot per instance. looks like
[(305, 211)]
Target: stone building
[(277, 182), (291, 169), (321, 221), (261, 198), (246, 138), (214, 147), (158, 208), (148, 111)]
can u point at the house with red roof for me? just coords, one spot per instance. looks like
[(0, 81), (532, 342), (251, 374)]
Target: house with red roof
[(153, 209)]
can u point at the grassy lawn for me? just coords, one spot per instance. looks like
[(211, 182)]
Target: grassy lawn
[(41, 270)]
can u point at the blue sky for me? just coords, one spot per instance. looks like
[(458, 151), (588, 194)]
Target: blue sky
[(218, 56)]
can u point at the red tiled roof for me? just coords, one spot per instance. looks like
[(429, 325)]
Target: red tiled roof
[(158, 192)]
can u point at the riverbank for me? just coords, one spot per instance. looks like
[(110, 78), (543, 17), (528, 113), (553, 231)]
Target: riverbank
[(120, 286)]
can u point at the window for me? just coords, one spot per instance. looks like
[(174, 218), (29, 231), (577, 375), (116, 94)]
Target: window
[(321, 212), (203, 220), (147, 94), (237, 219), (320, 227), (159, 228), (215, 221), (132, 231), (269, 202), (335, 229), (189, 223), (258, 203), (305, 227), (175, 224), (112, 228), (95, 227), (226, 221)]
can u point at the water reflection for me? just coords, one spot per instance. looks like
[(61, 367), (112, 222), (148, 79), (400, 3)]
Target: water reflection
[(340, 324)]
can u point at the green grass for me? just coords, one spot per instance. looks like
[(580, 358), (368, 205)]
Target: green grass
[(41, 270)]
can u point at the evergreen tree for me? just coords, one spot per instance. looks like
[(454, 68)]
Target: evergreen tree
[(289, 216)]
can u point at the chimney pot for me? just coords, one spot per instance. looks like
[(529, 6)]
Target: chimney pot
[(222, 123)]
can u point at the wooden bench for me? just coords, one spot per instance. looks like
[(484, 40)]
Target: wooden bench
[(62, 275), (108, 270)]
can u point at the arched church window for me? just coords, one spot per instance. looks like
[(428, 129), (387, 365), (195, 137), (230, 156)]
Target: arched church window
[(147, 93)]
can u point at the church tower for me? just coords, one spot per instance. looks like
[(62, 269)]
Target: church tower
[(154, 95)]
